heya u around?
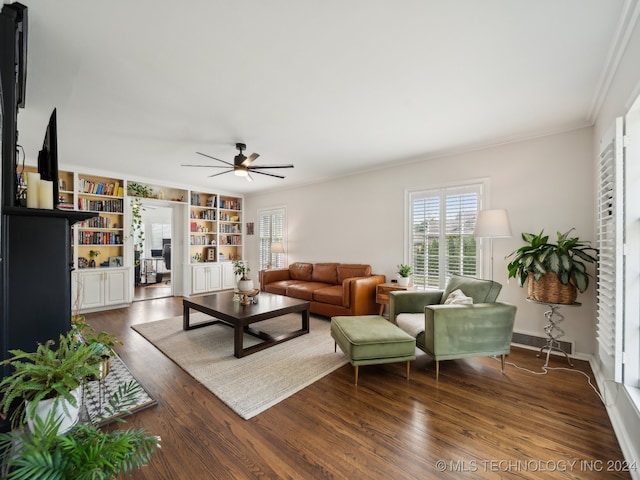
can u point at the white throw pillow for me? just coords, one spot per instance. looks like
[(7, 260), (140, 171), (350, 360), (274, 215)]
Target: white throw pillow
[(457, 297)]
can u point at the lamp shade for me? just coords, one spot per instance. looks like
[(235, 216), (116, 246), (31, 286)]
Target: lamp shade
[(277, 247), (492, 224)]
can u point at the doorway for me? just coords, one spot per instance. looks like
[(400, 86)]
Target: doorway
[(153, 272)]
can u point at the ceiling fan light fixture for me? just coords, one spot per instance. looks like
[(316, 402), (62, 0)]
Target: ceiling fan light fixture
[(242, 165)]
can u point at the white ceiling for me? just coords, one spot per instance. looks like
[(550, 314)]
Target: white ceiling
[(332, 86)]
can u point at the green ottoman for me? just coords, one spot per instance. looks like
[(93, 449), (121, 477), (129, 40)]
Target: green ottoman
[(372, 339)]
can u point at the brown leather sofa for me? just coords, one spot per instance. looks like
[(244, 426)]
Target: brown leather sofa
[(332, 288)]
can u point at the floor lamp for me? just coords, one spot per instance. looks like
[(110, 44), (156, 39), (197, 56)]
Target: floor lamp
[(276, 248), (492, 224)]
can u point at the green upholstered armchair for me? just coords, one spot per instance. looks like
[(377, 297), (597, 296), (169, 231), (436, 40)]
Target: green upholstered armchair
[(450, 331)]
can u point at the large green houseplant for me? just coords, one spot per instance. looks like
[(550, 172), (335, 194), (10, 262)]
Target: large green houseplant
[(51, 372), (541, 261), (84, 452), (44, 449)]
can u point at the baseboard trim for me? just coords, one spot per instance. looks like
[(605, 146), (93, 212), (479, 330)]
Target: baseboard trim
[(577, 355)]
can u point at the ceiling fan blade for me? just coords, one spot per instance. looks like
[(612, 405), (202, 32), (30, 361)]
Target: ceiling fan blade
[(249, 177), (270, 166), (204, 166), (264, 173), (249, 160), (214, 158), (221, 173)]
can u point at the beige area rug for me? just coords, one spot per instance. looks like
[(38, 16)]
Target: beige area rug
[(251, 384)]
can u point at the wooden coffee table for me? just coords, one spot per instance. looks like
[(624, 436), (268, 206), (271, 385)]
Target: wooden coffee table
[(226, 311)]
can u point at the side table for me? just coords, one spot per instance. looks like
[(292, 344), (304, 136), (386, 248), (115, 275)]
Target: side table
[(553, 331), (382, 293)]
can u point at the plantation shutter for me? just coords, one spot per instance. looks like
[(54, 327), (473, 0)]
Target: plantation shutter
[(441, 242), (610, 277), (271, 228)]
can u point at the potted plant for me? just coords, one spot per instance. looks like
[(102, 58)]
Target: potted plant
[(555, 271), (102, 344), (83, 452), (92, 255), (49, 378), (404, 274), (245, 284)]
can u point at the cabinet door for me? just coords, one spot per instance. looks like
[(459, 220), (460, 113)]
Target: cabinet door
[(213, 277), (91, 289), (116, 287), (228, 277), (198, 279)]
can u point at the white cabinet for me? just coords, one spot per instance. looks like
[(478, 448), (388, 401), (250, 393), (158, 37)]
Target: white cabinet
[(99, 288), (205, 278), (228, 277)]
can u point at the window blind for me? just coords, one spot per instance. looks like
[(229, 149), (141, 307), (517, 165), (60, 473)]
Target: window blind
[(271, 228), (441, 241), (610, 275)]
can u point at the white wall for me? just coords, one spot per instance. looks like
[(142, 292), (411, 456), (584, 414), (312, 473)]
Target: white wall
[(545, 183)]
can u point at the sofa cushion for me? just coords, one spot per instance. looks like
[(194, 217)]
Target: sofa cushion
[(347, 270), (325, 273), (300, 271), (412, 323), (304, 290), (280, 287), (331, 295)]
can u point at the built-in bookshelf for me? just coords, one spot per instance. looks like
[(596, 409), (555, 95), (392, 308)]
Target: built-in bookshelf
[(65, 186), (203, 227), (230, 228), (105, 233), (215, 227)]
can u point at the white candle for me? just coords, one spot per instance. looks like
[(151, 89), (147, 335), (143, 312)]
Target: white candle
[(46, 194), (33, 184)]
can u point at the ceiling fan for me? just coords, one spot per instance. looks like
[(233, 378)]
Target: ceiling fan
[(241, 166)]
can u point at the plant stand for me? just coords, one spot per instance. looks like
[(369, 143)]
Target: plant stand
[(553, 331)]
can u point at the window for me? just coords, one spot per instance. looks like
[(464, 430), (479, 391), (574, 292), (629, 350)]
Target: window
[(618, 327), (272, 228), (440, 234), (159, 233)]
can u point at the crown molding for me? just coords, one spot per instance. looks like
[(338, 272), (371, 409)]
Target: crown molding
[(626, 25)]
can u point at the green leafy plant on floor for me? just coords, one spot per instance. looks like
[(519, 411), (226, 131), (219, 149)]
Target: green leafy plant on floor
[(84, 452), (49, 372)]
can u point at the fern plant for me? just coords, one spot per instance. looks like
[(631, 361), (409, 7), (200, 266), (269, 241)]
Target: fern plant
[(85, 452), (51, 371)]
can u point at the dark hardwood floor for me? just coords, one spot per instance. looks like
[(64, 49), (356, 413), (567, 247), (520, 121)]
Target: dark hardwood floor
[(472, 423)]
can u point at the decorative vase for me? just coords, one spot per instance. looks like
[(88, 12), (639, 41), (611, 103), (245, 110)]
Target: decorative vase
[(63, 410), (92, 263), (103, 366), (245, 285), (404, 281)]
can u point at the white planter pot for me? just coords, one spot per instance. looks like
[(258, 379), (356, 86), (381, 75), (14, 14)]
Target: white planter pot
[(404, 281), (245, 285), (69, 418)]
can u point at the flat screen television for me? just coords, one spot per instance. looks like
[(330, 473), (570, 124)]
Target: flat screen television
[(21, 51), (48, 156)]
